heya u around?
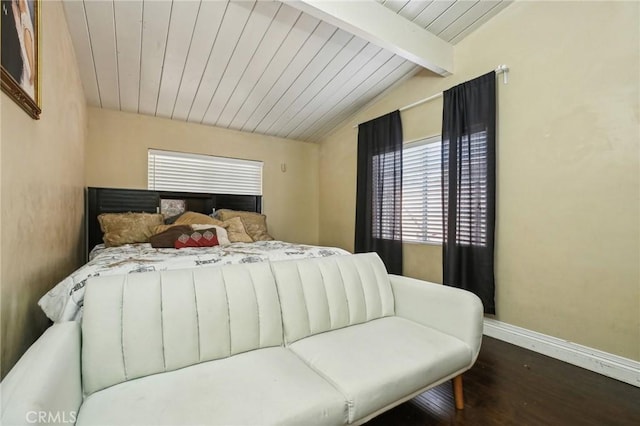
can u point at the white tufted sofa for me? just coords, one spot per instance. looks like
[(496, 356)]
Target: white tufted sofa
[(326, 341)]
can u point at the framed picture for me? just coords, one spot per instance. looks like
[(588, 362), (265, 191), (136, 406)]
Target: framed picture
[(20, 53), (171, 207)]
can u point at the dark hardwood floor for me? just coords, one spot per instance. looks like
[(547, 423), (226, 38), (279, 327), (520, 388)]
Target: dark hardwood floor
[(510, 385)]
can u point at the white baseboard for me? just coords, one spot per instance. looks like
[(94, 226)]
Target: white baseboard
[(614, 366)]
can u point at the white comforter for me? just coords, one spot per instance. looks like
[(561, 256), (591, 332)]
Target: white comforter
[(64, 301)]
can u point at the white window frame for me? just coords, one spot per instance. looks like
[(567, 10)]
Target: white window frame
[(187, 172)]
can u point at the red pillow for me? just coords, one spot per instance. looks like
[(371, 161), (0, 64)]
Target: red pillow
[(167, 239), (203, 238)]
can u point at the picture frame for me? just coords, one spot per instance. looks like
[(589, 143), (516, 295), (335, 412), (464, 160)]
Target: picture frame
[(20, 64), (172, 207)]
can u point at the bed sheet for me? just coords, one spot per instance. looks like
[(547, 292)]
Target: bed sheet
[(64, 302)]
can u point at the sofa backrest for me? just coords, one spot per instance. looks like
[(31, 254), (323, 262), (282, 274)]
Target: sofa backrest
[(145, 323), (322, 294)]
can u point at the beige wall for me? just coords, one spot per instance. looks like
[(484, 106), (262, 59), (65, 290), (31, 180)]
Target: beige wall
[(42, 176), (568, 235), (117, 157)]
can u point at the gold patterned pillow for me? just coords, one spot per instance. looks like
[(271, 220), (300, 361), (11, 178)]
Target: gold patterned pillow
[(161, 228), (254, 223), (236, 231), (191, 218), (128, 228)]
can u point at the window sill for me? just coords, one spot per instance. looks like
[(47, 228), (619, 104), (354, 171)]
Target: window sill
[(422, 243)]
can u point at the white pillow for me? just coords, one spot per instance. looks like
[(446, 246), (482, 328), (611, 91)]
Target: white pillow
[(223, 237)]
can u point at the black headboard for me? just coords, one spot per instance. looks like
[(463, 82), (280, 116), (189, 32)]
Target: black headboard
[(113, 200)]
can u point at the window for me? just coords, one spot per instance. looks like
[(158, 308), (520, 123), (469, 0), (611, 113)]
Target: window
[(177, 171), (422, 219), (422, 191)]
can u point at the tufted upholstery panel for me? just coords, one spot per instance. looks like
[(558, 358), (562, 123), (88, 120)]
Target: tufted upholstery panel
[(145, 323), (322, 294)]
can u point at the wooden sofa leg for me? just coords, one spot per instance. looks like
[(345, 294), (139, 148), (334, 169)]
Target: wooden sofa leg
[(458, 395)]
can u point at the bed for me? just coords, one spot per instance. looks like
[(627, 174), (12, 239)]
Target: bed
[(64, 301)]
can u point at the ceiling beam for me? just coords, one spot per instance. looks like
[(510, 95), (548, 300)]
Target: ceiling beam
[(376, 24)]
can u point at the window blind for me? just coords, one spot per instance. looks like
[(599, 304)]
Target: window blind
[(422, 191), (177, 171), (384, 221), (472, 195), (422, 218)]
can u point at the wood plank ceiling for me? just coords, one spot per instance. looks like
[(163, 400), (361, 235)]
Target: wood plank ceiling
[(256, 66)]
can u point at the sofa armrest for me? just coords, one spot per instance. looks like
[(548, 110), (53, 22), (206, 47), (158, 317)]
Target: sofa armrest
[(456, 312), (45, 386)]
